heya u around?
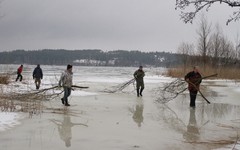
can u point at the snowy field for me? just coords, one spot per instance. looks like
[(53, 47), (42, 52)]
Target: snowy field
[(120, 121)]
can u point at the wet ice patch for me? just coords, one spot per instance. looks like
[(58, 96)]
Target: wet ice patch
[(230, 147), (8, 120), (157, 79), (82, 93)]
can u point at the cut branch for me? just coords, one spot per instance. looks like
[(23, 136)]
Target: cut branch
[(120, 87), (43, 94)]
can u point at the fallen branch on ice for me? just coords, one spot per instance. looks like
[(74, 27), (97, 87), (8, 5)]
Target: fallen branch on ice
[(43, 94), (120, 87)]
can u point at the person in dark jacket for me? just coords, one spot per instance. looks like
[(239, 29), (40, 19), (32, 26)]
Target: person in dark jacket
[(194, 79), (138, 75), (37, 75), (19, 73)]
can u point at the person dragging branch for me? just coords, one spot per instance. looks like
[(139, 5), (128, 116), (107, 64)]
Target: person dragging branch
[(194, 80), (66, 82), (138, 75)]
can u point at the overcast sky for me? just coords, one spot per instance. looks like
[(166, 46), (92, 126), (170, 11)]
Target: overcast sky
[(145, 25)]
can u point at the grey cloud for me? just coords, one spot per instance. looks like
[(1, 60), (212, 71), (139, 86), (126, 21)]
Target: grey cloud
[(103, 24)]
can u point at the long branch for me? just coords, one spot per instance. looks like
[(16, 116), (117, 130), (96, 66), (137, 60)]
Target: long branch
[(54, 87), (199, 89), (40, 94)]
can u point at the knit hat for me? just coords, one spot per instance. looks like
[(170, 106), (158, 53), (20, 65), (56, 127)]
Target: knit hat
[(69, 66)]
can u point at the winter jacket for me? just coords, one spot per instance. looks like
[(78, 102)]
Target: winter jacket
[(19, 71), (195, 78), (37, 73), (66, 79), (138, 75)]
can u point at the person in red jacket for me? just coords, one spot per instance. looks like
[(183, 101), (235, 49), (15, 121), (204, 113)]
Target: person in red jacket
[(19, 73)]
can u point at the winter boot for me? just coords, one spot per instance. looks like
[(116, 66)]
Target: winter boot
[(62, 101), (66, 103), (141, 91), (137, 92)]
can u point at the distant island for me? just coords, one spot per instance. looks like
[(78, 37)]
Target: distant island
[(91, 57)]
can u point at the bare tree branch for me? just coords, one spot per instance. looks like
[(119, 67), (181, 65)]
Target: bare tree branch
[(119, 87), (43, 94), (199, 5)]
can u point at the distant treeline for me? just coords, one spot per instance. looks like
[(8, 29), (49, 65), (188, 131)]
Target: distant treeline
[(91, 57)]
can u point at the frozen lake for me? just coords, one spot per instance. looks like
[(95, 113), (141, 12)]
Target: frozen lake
[(121, 121)]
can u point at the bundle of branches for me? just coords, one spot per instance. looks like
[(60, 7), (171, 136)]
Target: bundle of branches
[(4, 78), (32, 107), (43, 94), (171, 90), (120, 87)]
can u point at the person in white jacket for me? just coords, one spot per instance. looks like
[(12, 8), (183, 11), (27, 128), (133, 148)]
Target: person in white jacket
[(66, 82)]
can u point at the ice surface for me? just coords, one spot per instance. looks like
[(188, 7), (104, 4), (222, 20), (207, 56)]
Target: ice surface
[(8, 120), (107, 121)]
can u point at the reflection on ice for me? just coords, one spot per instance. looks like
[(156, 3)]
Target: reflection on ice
[(220, 111), (65, 128), (192, 132), (138, 113), (211, 125)]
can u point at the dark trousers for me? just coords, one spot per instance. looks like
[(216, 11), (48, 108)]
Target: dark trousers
[(19, 76), (67, 93), (140, 86), (193, 95)]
